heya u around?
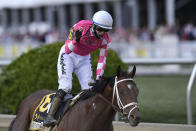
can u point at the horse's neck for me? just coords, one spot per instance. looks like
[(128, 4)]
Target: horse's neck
[(92, 114), (104, 105), (102, 111)]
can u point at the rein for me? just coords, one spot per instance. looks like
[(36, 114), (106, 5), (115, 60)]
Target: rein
[(107, 101)]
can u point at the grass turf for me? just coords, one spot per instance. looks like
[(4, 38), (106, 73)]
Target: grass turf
[(3, 129), (163, 99)]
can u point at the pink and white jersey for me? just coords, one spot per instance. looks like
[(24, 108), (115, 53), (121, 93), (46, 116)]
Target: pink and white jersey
[(88, 43)]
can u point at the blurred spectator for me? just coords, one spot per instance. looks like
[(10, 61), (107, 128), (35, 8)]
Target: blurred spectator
[(132, 36), (188, 32), (166, 35), (42, 33)]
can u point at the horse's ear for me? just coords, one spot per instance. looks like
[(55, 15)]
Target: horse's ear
[(132, 73), (118, 71)]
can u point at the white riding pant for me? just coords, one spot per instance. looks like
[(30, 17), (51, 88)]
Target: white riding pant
[(69, 63)]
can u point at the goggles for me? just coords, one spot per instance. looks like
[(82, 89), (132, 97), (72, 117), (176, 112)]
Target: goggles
[(101, 29)]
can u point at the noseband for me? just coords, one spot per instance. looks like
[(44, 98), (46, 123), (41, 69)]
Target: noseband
[(119, 102)]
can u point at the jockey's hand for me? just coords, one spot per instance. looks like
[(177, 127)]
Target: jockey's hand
[(78, 35), (97, 86), (99, 77)]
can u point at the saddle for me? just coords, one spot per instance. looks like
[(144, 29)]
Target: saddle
[(41, 111)]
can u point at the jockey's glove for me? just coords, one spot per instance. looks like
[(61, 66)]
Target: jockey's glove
[(78, 35), (98, 86)]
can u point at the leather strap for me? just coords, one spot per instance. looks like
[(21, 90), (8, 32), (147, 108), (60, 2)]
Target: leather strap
[(107, 101)]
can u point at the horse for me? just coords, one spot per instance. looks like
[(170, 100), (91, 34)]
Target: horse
[(112, 94)]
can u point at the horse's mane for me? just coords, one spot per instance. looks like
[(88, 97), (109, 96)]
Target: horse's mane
[(98, 87)]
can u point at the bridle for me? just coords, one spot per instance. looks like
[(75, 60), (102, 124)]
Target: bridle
[(120, 106), (119, 102)]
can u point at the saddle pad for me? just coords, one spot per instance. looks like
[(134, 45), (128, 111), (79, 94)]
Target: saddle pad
[(40, 113)]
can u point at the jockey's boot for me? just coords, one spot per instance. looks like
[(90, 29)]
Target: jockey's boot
[(50, 121)]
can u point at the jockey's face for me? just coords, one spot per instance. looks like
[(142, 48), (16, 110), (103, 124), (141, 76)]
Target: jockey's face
[(99, 32)]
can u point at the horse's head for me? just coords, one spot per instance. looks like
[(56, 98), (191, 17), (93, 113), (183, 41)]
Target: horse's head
[(123, 92), (125, 95)]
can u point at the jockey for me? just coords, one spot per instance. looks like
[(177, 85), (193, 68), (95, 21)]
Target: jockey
[(84, 37)]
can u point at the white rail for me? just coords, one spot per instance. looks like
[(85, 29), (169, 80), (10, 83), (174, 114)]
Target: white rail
[(4, 62), (5, 120), (189, 97)]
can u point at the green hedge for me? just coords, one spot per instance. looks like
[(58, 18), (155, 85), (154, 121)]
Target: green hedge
[(36, 70)]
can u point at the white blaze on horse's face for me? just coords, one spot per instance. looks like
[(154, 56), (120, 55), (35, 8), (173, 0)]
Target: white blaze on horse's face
[(94, 106), (129, 86)]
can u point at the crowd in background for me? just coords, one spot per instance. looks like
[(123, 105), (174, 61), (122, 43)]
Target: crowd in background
[(46, 35), (184, 33)]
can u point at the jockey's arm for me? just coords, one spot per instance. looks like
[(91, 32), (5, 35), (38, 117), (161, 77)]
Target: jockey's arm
[(102, 61)]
